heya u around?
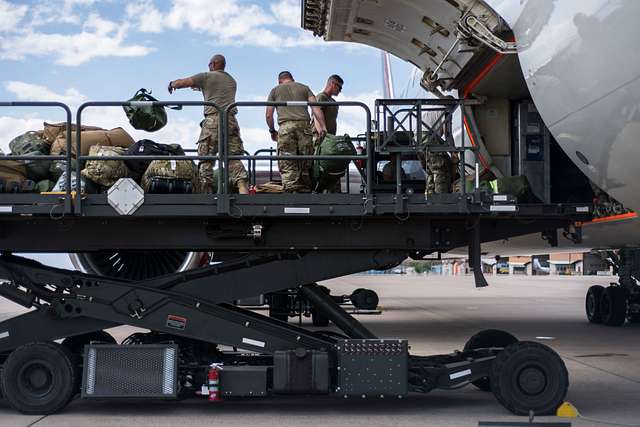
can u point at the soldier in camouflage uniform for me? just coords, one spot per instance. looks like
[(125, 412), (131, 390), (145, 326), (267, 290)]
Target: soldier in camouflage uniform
[(438, 165), (294, 135), (218, 87)]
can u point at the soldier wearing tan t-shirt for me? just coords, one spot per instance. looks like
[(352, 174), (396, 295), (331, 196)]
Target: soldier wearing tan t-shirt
[(218, 87), (294, 136)]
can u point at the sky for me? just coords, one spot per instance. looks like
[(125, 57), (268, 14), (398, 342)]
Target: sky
[(79, 50), (75, 51)]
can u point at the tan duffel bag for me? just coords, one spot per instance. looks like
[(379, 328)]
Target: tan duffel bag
[(117, 137), (13, 171), (53, 130), (105, 172)]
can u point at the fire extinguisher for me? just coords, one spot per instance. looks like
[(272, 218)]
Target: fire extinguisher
[(213, 381), (359, 151)]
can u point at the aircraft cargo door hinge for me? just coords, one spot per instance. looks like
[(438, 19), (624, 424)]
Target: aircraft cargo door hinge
[(472, 27)]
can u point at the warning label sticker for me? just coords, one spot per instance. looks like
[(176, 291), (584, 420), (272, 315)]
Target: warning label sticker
[(176, 322)]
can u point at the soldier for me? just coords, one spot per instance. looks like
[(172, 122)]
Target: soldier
[(294, 133), (219, 87), (333, 88), (438, 165)]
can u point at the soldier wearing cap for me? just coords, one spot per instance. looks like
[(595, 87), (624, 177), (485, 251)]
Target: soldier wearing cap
[(219, 87), (294, 135)]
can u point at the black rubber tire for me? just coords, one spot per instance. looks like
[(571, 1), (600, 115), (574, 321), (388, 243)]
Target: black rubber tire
[(592, 303), (487, 339), (278, 307), (365, 299), (613, 306), (529, 376), (76, 344), (52, 378)]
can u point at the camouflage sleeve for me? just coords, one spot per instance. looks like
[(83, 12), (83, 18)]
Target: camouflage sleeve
[(199, 79)]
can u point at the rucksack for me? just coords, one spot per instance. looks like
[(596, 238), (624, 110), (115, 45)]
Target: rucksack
[(145, 116), (105, 172), (32, 144), (325, 173), (146, 147), (169, 169)]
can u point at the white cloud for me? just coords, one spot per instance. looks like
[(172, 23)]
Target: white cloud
[(10, 127), (230, 22), (287, 12), (99, 38), (10, 15), (352, 120), (32, 92)]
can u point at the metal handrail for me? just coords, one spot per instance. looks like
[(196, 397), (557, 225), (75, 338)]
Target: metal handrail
[(369, 157), (80, 157), (68, 206)]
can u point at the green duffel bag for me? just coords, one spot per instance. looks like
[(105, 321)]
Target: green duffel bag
[(44, 186), (32, 144), (145, 116), (326, 173)]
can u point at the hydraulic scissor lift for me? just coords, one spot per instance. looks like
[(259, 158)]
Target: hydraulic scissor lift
[(198, 341)]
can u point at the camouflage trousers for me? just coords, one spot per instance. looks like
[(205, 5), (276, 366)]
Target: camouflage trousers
[(439, 173), (294, 138), (208, 146)]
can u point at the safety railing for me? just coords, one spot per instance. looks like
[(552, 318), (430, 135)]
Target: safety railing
[(67, 204), (368, 158), (81, 158), (428, 123)]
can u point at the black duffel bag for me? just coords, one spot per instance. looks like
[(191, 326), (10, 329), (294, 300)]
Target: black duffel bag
[(147, 147), (159, 185)]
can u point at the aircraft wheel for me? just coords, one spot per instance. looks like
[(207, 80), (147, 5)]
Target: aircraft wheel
[(529, 376), (592, 303), (487, 339), (613, 306), (365, 299), (39, 378)]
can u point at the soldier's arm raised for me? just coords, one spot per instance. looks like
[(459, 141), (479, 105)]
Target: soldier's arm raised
[(181, 83)]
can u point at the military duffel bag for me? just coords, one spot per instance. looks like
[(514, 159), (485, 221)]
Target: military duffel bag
[(158, 185), (117, 137), (326, 173), (144, 116), (105, 172), (13, 176), (169, 169), (146, 147), (32, 144), (53, 130)]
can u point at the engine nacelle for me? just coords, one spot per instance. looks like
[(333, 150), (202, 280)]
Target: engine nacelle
[(137, 265)]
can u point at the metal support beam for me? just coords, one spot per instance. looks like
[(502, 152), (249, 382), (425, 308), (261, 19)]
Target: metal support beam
[(335, 313)]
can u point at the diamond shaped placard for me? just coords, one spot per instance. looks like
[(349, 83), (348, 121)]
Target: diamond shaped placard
[(125, 196)]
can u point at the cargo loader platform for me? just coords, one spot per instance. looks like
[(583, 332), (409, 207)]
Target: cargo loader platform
[(199, 343)]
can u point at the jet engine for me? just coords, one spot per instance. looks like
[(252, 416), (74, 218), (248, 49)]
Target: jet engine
[(137, 265)]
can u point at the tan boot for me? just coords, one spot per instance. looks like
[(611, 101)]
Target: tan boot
[(242, 187)]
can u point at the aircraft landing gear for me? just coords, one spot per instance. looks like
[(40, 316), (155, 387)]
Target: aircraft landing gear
[(619, 301)]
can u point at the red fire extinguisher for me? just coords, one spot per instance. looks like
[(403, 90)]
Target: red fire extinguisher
[(213, 381), (359, 151)]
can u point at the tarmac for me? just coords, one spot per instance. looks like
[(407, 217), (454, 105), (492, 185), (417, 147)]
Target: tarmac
[(437, 314)]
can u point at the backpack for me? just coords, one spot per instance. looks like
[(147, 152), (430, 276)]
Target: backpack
[(325, 173), (145, 116), (169, 169), (158, 185), (146, 147), (105, 172), (32, 144)]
